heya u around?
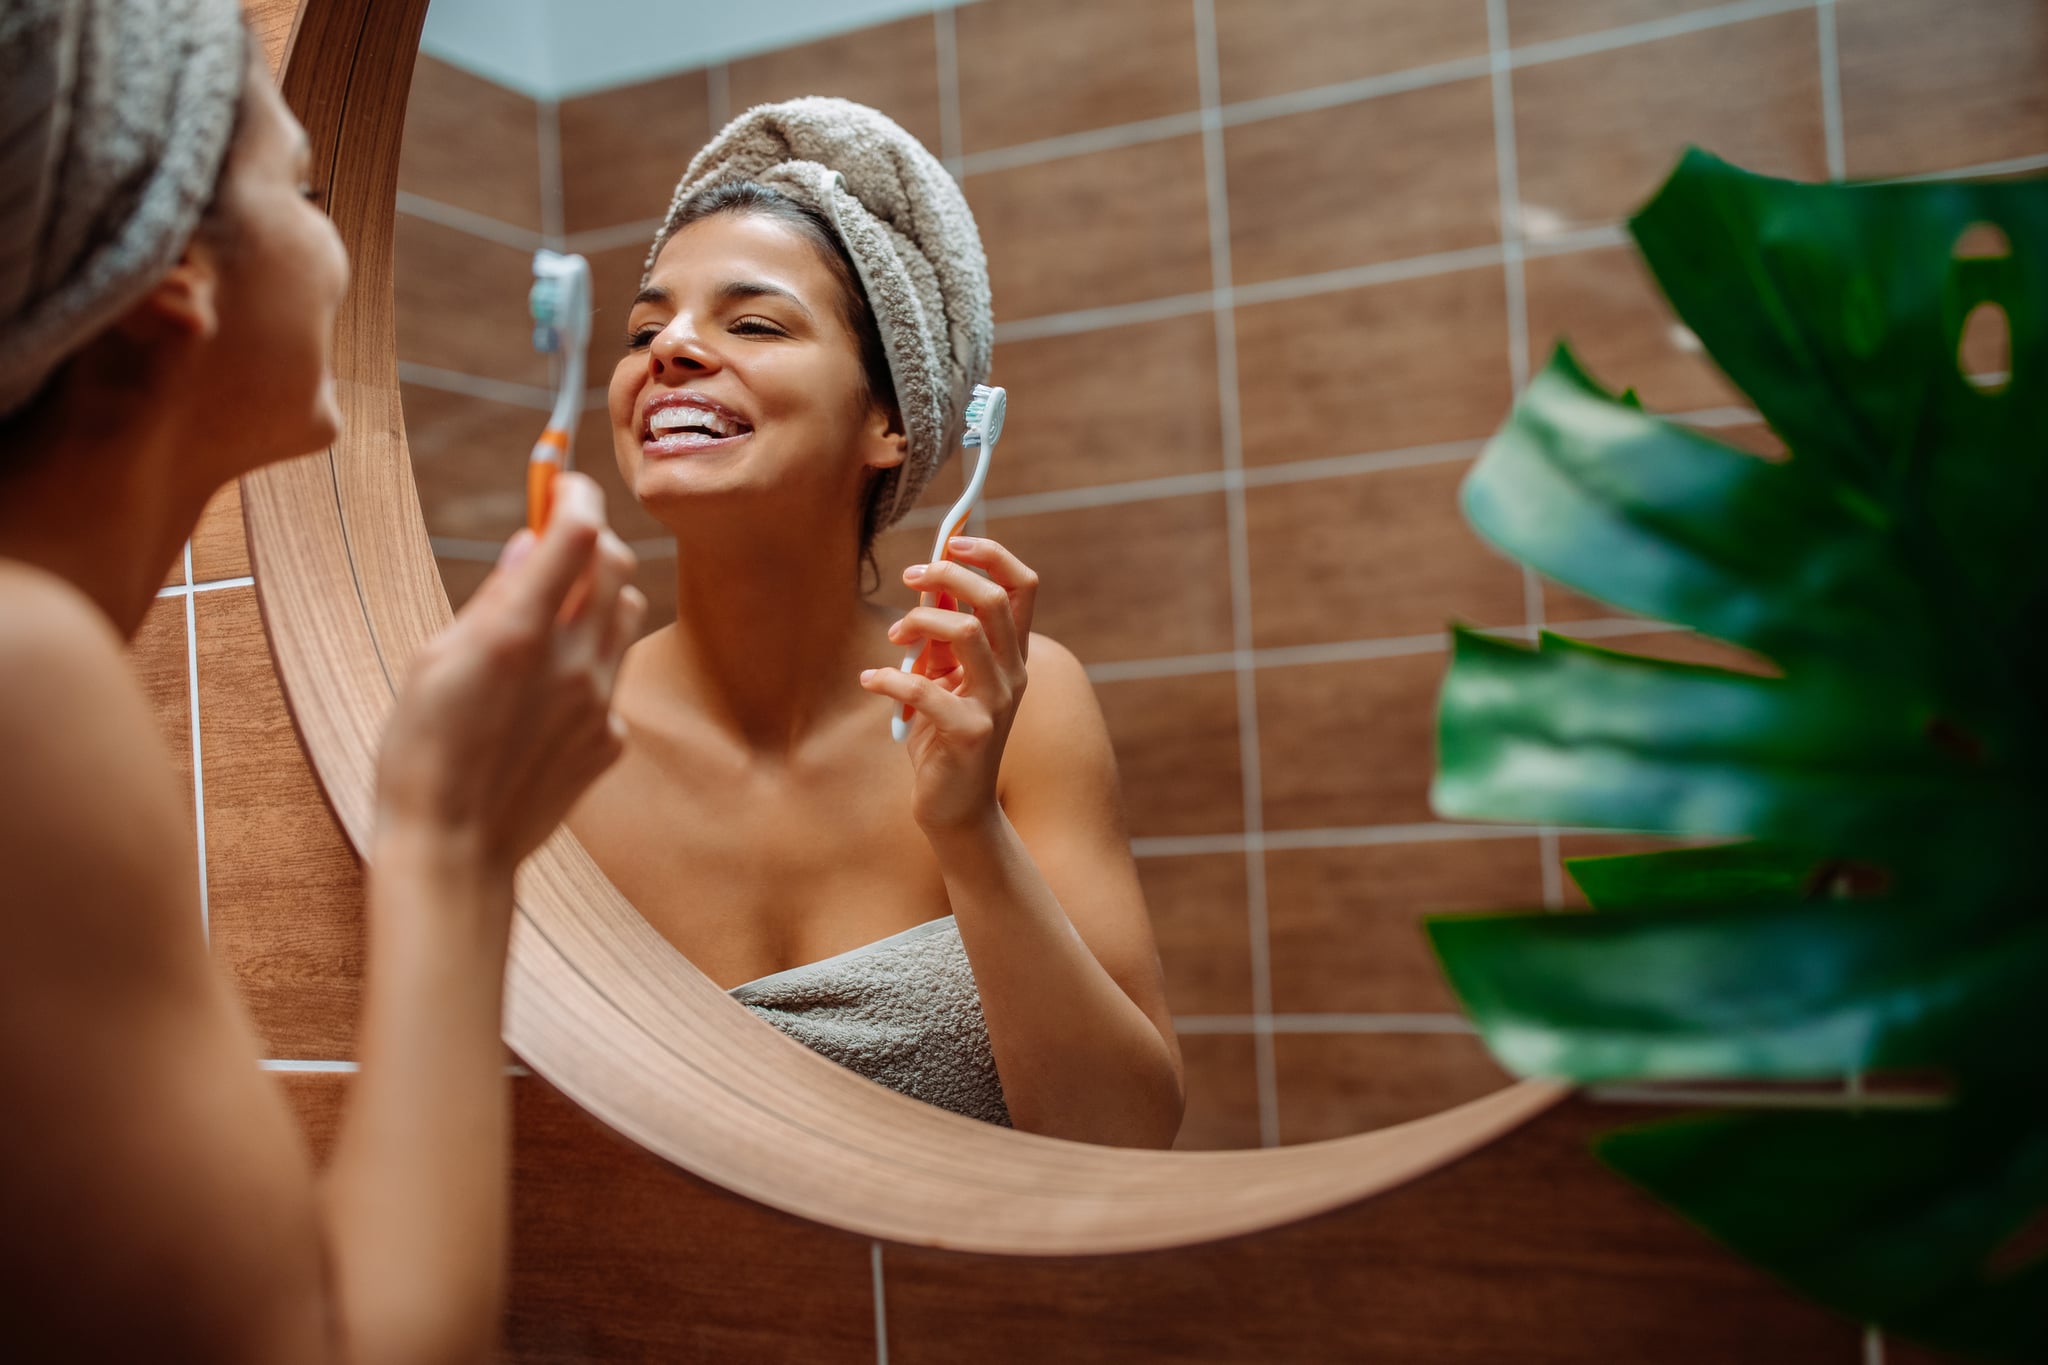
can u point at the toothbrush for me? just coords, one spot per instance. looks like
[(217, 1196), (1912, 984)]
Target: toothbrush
[(984, 429), (560, 303)]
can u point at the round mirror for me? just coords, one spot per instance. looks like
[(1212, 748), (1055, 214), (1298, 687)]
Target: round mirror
[(1239, 404)]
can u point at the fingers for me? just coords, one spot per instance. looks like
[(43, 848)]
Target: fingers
[(988, 600), (965, 634), (546, 574), (1018, 579), (954, 714), (590, 609)]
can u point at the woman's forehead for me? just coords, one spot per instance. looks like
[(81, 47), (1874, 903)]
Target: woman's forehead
[(712, 250)]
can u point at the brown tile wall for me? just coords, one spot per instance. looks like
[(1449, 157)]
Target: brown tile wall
[(1366, 361)]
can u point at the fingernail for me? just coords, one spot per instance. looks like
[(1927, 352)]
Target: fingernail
[(914, 572), (965, 543), (866, 673)]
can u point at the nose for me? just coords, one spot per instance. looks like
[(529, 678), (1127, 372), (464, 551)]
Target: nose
[(678, 350)]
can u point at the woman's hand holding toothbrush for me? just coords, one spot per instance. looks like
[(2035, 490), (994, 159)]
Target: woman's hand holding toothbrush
[(975, 662), (506, 716)]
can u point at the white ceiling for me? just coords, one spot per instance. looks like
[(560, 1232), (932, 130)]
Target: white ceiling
[(553, 49)]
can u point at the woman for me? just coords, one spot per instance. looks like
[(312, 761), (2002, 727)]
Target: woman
[(814, 313), (167, 298)]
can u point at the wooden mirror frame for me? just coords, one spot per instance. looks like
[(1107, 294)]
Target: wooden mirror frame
[(598, 1004)]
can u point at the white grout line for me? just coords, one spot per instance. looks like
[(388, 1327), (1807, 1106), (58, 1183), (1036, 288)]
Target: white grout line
[(1357, 651), (1113, 138), (1239, 551), (1758, 1099), (212, 585), (276, 1064), (476, 386), (881, 1306), (1351, 92), (198, 761), (547, 119), (2016, 165), (1830, 86), (593, 240), (463, 220), (1322, 1023), (1296, 840), (718, 95), (946, 39)]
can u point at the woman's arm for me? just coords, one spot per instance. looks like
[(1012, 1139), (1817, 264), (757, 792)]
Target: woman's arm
[(156, 1198), (1056, 932), (1054, 922)]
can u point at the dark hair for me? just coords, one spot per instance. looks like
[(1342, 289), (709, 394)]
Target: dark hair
[(748, 196)]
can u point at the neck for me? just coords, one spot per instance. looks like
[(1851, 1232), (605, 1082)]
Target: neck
[(771, 632), (105, 514)]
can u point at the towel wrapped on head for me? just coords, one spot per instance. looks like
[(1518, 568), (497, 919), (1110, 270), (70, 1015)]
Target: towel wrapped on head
[(115, 117), (912, 239)]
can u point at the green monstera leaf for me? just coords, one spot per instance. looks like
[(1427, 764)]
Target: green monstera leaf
[(1884, 908)]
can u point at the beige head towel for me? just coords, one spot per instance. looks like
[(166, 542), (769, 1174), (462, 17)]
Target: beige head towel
[(114, 118), (911, 236)]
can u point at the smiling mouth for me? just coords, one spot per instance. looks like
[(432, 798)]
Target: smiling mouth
[(685, 426)]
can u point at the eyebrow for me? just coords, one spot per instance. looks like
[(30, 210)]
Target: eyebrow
[(730, 291)]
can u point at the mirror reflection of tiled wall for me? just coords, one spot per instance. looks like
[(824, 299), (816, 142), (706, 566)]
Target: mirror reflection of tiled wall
[(1262, 287)]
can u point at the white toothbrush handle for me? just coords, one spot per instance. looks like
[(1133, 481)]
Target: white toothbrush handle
[(899, 725)]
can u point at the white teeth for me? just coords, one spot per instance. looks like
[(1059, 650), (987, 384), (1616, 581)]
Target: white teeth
[(679, 416)]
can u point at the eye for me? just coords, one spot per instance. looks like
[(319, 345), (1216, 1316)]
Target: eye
[(757, 326), (310, 192), (640, 337)]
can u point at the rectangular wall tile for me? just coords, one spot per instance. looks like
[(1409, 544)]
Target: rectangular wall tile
[(1271, 47), (471, 144), (161, 657), (1335, 1084), (1596, 135), (284, 885), (614, 280), (1032, 69), (1411, 363), (1543, 21), (1349, 743), (1141, 580), (1202, 925), (1606, 305), (624, 149), (1936, 87), (892, 67), (469, 458), (1382, 179), (618, 1256), (1177, 753), (1120, 226), (220, 548), (1527, 1250), (1222, 1090), (1370, 555), (1108, 406), (461, 303), (1344, 925)]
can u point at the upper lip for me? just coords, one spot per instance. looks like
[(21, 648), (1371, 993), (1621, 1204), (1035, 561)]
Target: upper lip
[(687, 398)]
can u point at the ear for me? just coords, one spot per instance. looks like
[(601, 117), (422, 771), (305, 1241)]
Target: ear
[(184, 305), (887, 445)]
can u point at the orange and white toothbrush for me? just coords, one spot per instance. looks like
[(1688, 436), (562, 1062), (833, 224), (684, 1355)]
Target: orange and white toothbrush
[(984, 428), (560, 303)]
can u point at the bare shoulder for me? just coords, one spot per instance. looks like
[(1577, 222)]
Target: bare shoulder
[(1058, 739), (91, 801)]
